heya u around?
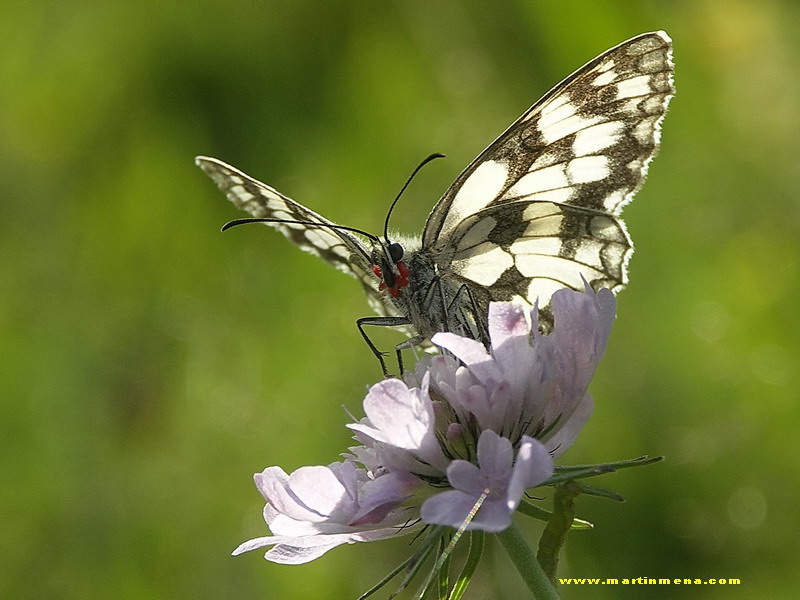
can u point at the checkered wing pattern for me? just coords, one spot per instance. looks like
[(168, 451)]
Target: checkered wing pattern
[(538, 210), (335, 246)]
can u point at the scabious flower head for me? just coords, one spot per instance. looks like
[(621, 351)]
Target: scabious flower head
[(526, 383), (473, 426)]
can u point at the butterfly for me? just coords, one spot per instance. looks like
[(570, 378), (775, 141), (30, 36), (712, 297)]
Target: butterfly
[(537, 211)]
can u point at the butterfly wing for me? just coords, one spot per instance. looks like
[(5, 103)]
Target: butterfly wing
[(335, 246), (527, 250), (538, 209)]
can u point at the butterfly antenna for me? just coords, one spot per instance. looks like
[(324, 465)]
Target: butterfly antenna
[(237, 222), (391, 208)]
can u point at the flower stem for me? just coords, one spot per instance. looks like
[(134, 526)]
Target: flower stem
[(527, 565), (555, 533)]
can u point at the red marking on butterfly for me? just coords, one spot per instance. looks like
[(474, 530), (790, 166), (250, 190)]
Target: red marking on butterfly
[(400, 281)]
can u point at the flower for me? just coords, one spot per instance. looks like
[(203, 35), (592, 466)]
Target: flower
[(473, 426), (527, 383), (495, 476), (318, 508), (401, 422)]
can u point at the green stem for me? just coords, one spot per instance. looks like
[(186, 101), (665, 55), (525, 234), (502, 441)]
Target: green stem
[(527, 565), (555, 533)]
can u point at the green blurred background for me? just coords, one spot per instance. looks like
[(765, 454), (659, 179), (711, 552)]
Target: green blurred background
[(151, 364)]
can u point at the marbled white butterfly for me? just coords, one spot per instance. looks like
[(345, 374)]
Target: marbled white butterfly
[(537, 211)]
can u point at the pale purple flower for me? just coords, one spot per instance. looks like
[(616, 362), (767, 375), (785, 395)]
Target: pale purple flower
[(318, 508), (495, 475), (401, 422), (527, 383), (474, 423)]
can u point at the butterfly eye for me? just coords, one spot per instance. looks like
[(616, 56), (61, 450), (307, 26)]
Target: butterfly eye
[(395, 252)]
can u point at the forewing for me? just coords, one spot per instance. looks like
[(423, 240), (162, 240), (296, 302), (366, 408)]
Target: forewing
[(586, 143), (538, 209), (334, 246)]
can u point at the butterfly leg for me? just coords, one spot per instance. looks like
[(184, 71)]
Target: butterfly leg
[(381, 322), (409, 343), (439, 311), (454, 313), (480, 332)]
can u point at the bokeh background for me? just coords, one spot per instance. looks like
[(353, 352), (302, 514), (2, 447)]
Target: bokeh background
[(151, 364)]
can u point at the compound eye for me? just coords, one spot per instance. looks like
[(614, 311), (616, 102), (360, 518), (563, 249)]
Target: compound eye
[(395, 252)]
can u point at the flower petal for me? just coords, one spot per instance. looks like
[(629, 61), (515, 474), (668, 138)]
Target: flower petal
[(381, 495), (534, 465), (273, 483), (564, 436), (398, 416), (463, 475), (471, 353), (452, 508), (507, 321), (495, 456), (292, 555), (298, 550), (447, 508), (493, 516), (319, 489)]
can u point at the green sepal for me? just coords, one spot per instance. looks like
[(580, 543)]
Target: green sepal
[(590, 490), (411, 565), (476, 541), (612, 466), (531, 510)]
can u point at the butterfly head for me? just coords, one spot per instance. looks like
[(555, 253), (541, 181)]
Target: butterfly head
[(387, 257), (389, 267)]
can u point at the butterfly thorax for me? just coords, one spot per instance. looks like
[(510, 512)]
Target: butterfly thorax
[(431, 301)]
